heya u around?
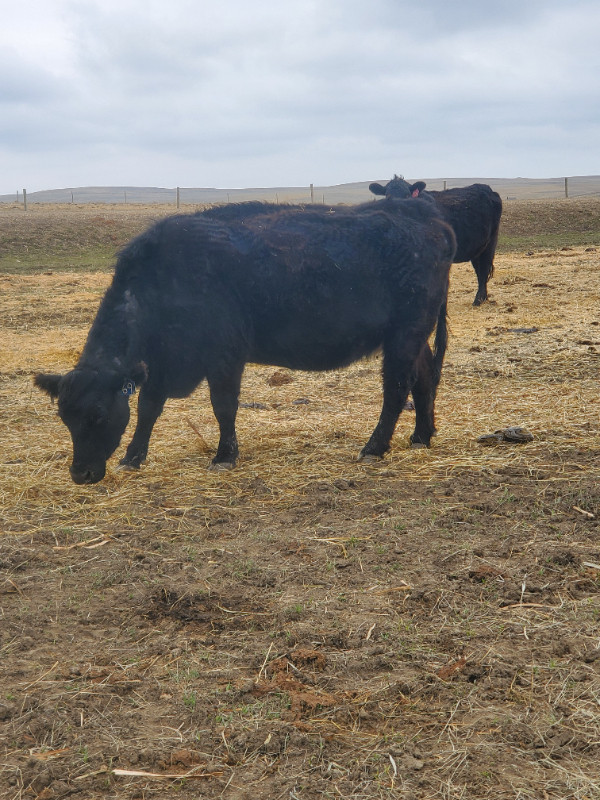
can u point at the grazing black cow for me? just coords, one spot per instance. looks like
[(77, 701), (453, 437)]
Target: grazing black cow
[(473, 212), (198, 296)]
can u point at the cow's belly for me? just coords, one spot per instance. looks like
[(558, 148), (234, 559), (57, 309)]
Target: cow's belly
[(315, 347)]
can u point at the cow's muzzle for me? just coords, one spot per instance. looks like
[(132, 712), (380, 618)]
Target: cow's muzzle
[(82, 475)]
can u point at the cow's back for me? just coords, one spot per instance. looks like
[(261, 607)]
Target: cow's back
[(474, 213), (302, 287), (327, 285)]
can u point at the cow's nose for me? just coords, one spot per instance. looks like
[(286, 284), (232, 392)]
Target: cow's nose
[(82, 476)]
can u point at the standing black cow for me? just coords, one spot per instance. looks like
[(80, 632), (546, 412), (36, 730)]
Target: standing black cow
[(198, 296), (473, 212)]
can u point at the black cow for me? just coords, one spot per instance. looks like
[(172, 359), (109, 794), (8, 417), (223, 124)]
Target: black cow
[(473, 212), (198, 296)]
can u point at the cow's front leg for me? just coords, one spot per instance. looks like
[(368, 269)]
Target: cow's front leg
[(148, 411)]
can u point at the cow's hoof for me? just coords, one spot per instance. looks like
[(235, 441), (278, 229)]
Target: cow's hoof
[(222, 466), (126, 466), (369, 458), (418, 446)]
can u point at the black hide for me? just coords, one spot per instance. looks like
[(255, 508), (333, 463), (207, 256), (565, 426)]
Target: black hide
[(474, 214), (198, 296)]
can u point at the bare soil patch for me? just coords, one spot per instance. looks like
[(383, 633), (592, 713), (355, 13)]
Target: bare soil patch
[(306, 626)]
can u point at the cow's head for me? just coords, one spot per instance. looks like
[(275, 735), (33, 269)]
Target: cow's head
[(398, 188), (94, 405)]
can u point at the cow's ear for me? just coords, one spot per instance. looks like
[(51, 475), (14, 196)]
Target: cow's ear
[(376, 188), (134, 378), (417, 188), (49, 383)]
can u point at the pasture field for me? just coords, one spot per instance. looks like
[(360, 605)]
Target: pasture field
[(307, 626)]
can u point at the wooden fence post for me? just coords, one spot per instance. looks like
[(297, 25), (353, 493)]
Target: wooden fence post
[(312, 194), (178, 197), (566, 187), (24, 199)]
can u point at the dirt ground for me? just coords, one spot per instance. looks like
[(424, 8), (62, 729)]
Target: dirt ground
[(307, 626)]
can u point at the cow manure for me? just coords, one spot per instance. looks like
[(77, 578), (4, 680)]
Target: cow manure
[(514, 435), (280, 378), (343, 485), (257, 486), (491, 438)]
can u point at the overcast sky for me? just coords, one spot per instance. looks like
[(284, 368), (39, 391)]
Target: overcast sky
[(260, 93)]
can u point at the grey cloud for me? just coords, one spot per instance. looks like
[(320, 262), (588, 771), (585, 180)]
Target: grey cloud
[(334, 91)]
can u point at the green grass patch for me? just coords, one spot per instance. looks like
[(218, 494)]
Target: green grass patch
[(77, 239), (547, 240), (550, 224), (95, 259)]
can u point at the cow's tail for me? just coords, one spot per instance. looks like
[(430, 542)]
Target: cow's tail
[(440, 342)]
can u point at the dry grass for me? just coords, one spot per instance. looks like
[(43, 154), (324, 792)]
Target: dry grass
[(496, 374), (306, 626)]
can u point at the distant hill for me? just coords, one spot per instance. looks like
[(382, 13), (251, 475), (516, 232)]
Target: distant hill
[(508, 188)]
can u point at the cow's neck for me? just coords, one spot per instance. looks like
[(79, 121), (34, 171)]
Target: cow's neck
[(116, 338)]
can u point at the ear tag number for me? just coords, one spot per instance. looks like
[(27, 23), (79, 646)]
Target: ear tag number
[(128, 388)]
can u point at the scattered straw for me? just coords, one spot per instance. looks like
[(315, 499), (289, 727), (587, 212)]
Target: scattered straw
[(263, 536)]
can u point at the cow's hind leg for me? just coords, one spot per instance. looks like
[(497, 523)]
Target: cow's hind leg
[(150, 406), (483, 264), (224, 396), (399, 375), (423, 393)]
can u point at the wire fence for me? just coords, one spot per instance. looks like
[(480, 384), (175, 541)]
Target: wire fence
[(350, 193)]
